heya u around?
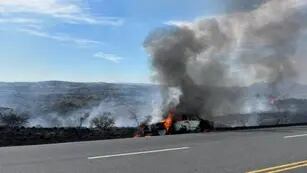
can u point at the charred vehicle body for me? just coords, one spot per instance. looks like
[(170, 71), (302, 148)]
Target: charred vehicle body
[(176, 124)]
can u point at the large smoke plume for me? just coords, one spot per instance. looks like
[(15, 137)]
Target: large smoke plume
[(211, 59)]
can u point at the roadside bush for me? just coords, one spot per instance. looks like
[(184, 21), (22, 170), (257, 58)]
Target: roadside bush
[(103, 122), (12, 119)]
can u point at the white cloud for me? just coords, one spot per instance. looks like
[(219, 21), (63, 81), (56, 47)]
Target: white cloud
[(185, 23), (62, 38), (66, 10), (16, 20), (110, 57), (38, 6), (34, 16), (178, 23)]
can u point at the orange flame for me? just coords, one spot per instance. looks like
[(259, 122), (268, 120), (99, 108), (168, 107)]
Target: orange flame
[(168, 121)]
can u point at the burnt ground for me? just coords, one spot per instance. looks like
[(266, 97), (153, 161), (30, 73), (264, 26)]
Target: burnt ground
[(33, 136)]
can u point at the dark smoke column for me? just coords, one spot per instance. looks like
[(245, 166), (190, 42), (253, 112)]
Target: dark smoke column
[(171, 49), (211, 60)]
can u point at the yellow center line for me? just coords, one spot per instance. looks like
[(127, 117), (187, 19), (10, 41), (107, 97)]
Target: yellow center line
[(288, 168), (281, 167)]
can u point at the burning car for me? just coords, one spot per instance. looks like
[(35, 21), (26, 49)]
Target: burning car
[(176, 124)]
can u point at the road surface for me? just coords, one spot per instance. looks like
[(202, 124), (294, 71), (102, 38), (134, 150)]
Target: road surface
[(284, 149)]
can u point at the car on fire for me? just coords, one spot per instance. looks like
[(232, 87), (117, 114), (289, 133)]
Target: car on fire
[(176, 125)]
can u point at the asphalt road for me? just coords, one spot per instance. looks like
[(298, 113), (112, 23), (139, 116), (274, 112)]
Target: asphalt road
[(215, 152)]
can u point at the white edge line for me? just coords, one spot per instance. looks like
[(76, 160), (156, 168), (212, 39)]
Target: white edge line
[(138, 153), (295, 136)]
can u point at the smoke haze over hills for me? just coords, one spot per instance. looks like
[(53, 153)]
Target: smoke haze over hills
[(57, 103)]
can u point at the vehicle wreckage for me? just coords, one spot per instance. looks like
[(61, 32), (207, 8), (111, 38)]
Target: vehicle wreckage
[(175, 124)]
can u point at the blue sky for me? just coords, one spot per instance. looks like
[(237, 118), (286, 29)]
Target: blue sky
[(86, 40)]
